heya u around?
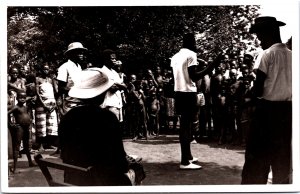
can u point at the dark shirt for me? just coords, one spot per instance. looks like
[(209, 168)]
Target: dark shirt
[(91, 136)]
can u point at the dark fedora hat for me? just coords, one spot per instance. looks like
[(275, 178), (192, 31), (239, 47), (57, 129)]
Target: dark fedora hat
[(265, 22)]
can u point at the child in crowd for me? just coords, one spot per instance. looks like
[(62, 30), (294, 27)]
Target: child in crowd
[(20, 130), (153, 107), (137, 99), (162, 117), (130, 116), (233, 113)]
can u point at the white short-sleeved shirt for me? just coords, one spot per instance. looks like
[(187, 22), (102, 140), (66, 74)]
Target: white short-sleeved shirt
[(69, 72), (113, 99), (276, 63), (180, 63)]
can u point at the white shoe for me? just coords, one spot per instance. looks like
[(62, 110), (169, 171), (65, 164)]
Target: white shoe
[(190, 166), (193, 160), (134, 157), (194, 142)]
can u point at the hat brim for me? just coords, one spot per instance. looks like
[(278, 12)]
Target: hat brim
[(83, 93), (256, 27), (84, 49)]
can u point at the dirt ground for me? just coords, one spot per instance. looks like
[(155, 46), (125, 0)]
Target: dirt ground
[(221, 165)]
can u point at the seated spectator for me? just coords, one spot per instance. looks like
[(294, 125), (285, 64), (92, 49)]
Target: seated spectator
[(91, 136)]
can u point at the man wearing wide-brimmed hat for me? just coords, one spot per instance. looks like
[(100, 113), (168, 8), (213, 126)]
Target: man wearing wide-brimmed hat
[(68, 72), (269, 141), (91, 136), (68, 75)]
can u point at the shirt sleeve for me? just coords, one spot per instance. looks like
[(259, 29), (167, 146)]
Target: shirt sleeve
[(62, 74), (263, 64)]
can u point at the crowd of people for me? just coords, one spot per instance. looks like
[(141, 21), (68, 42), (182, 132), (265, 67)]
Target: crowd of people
[(216, 102)]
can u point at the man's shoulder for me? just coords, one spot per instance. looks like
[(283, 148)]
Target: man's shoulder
[(183, 53), (67, 64), (278, 47)]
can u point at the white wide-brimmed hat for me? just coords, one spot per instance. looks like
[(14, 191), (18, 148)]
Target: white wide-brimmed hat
[(74, 46), (93, 82)]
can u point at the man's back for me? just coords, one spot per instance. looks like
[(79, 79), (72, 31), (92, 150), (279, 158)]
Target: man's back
[(276, 63), (180, 63), (90, 136)]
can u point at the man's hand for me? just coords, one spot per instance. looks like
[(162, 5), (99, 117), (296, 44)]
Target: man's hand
[(113, 88)]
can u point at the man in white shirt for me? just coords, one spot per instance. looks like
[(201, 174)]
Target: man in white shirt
[(269, 141), (113, 98), (69, 74), (186, 72)]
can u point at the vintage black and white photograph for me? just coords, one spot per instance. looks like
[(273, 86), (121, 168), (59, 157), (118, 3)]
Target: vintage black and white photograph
[(148, 96)]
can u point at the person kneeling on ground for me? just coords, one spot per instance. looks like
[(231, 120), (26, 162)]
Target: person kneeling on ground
[(91, 136)]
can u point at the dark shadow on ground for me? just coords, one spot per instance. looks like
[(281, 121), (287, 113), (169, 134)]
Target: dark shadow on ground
[(156, 174), (170, 174), (226, 146), (161, 139)]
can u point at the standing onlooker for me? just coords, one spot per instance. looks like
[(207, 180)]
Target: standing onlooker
[(130, 112), (186, 72), (137, 95), (68, 75), (217, 99), (153, 107), (15, 84), (20, 129), (46, 116), (246, 110), (269, 143), (113, 99), (170, 114), (158, 76), (23, 73), (205, 127), (118, 67)]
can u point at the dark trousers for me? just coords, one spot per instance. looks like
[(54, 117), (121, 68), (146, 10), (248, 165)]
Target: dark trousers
[(186, 107), (269, 144)]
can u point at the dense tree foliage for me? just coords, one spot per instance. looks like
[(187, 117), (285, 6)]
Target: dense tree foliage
[(142, 36)]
